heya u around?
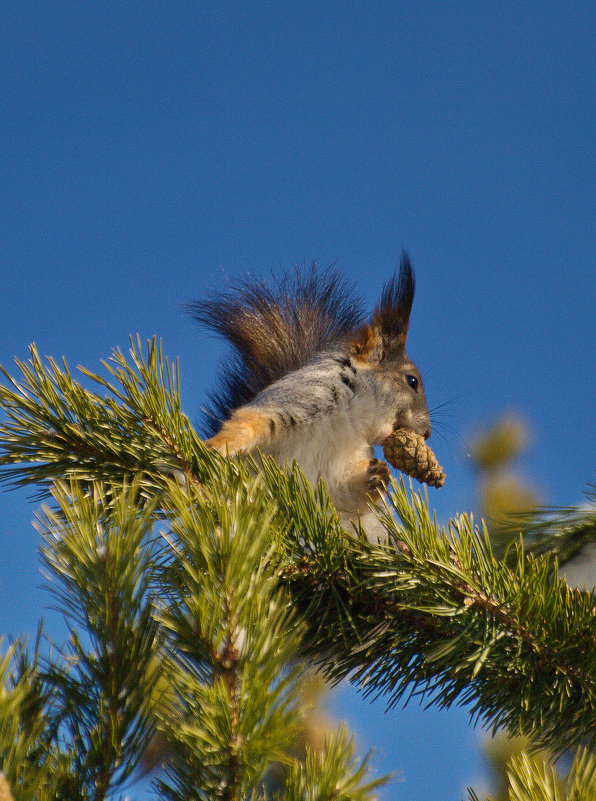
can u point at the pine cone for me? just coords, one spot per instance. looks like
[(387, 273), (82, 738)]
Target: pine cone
[(409, 452)]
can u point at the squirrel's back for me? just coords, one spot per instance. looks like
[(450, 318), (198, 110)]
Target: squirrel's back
[(274, 328)]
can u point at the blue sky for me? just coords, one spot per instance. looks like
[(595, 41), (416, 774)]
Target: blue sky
[(150, 151)]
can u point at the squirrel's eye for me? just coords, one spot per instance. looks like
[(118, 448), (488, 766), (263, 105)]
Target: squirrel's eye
[(412, 382)]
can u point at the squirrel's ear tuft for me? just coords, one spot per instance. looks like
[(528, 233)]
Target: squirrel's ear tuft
[(392, 316)]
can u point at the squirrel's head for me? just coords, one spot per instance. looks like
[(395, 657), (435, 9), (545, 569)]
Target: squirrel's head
[(381, 345)]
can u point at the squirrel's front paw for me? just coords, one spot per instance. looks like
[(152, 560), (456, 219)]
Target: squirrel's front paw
[(377, 478)]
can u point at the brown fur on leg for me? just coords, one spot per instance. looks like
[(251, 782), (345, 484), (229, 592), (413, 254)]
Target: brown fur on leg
[(244, 431)]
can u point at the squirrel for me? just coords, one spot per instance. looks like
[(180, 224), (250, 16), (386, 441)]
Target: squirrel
[(311, 380)]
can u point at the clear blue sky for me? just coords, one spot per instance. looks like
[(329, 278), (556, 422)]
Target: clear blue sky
[(151, 150)]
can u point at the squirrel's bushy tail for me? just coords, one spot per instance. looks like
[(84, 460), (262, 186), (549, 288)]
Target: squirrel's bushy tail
[(274, 327)]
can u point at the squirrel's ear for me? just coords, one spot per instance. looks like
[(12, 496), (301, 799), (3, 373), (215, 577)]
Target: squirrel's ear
[(367, 345), (392, 316), (386, 334)]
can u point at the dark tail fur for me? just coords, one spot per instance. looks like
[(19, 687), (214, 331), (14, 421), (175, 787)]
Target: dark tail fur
[(274, 328)]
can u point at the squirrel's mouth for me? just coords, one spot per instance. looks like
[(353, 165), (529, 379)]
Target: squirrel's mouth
[(384, 433), (402, 421), (419, 424)]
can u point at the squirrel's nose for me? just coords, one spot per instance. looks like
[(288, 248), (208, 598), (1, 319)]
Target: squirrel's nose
[(426, 434)]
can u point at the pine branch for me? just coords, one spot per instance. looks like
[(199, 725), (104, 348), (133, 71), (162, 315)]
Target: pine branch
[(31, 764), (563, 532), (530, 779), (97, 557), (230, 633), (57, 429), (436, 615), (332, 775)]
